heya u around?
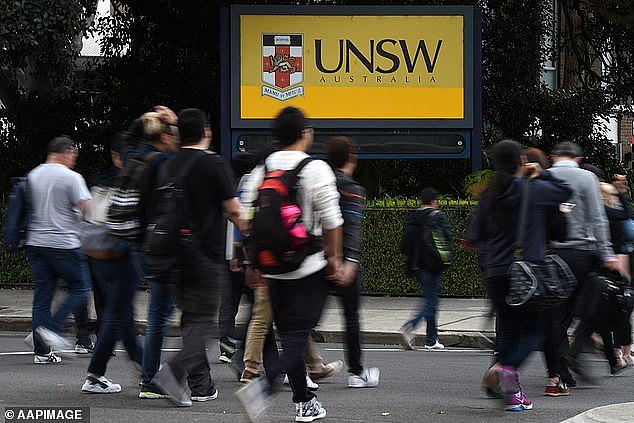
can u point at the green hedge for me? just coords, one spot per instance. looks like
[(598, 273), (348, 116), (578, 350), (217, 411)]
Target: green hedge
[(14, 269), (384, 265)]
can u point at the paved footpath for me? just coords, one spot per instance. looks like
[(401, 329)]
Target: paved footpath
[(462, 323)]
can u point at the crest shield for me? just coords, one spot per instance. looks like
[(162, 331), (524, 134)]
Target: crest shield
[(282, 65)]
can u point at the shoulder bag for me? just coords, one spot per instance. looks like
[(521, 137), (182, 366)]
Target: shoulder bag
[(538, 284)]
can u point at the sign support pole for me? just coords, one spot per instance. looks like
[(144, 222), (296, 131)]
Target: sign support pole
[(476, 138)]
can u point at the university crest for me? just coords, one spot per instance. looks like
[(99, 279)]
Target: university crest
[(282, 65)]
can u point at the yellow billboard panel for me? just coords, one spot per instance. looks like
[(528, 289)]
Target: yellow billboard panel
[(352, 67)]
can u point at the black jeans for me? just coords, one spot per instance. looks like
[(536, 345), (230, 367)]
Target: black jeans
[(119, 279), (350, 299), (553, 324), (197, 295), (82, 320), (581, 264), (623, 335), (518, 327), (98, 294), (230, 296), (297, 306)]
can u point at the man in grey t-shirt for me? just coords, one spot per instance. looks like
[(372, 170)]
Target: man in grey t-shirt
[(58, 196)]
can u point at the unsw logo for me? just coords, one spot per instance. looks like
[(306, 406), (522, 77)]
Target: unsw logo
[(282, 65)]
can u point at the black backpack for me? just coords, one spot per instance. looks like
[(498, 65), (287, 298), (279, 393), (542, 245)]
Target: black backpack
[(170, 230), (16, 221), (435, 250), (124, 220), (279, 240)]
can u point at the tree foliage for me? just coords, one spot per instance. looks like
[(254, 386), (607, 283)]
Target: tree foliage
[(39, 44), (166, 51)]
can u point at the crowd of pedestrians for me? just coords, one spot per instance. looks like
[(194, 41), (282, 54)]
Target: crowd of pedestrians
[(567, 215), (287, 232), (165, 181)]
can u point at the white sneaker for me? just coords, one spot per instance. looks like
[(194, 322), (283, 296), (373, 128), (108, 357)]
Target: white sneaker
[(254, 398), (436, 346), (100, 385), (56, 342), (50, 358), (369, 378), (309, 383), (309, 411)]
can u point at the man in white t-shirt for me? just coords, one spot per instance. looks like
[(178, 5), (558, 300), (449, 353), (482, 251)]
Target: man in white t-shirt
[(57, 197), (298, 297)]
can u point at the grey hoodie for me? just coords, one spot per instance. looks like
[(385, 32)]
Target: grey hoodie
[(588, 227)]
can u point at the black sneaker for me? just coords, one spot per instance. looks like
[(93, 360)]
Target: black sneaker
[(225, 357), (567, 377), (309, 411), (228, 347), (211, 395), (151, 391), (618, 368)]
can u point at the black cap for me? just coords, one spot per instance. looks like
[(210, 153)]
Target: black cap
[(427, 195)]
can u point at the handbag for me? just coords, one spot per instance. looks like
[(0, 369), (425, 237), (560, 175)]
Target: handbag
[(613, 300), (94, 235), (542, 284)]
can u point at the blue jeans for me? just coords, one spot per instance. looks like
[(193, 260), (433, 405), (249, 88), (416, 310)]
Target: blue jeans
[(430, 288), (119, 280), (158, 322), (47, 265)]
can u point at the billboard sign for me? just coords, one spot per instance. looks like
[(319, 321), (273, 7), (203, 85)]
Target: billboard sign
[(353, 67)]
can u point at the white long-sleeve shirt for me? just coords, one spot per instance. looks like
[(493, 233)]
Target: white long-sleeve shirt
[(317, 197)]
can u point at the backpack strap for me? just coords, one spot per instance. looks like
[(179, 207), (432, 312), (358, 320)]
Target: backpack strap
[(295, 172), (431, 216)]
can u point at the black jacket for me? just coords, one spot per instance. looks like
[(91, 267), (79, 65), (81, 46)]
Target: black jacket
[(496, 221), (352, 203), (617, 219), (411, 242)]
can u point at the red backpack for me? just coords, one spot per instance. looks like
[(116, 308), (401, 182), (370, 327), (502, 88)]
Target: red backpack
[(279, 240)]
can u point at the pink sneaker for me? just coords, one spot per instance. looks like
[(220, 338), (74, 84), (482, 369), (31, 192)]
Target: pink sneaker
[(518, 402)]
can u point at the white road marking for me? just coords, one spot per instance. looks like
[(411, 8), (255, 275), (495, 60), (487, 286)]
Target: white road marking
[(73, 351), (452, 350), (399, 350)]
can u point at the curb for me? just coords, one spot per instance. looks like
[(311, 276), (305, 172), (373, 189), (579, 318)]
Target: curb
[(615, 413), (472, 340)]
